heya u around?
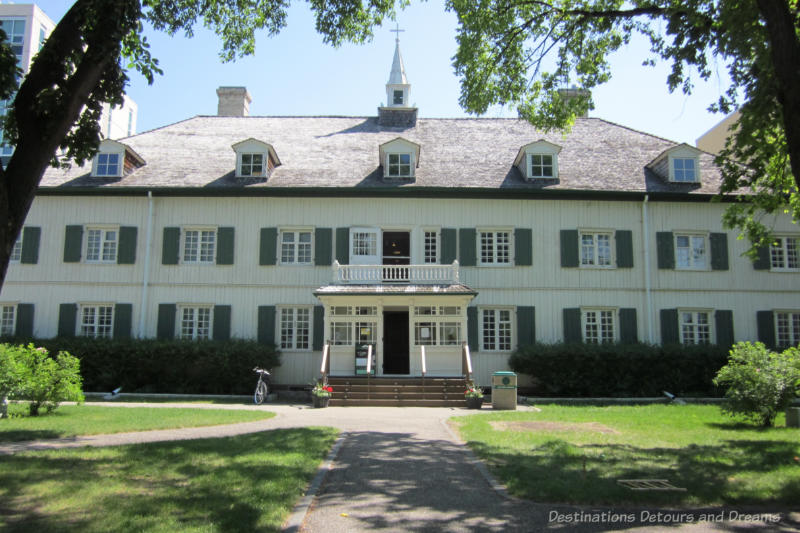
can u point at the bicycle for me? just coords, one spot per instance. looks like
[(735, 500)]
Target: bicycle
[(262, 387)]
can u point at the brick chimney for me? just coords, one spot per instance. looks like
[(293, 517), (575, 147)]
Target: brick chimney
[(233, 102)]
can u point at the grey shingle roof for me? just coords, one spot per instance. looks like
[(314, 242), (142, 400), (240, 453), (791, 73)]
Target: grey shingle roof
[(343, 152)]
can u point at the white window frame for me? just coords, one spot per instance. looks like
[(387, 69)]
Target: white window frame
[(8, 320), (595, 248), (437, 319), (678, 175), (120, 156), (693, 265), (541, 165), (692, 330), (16, 250), (597, 314), (100, 258), (495, 246), (429, 258), (91, 328), (295, 338), (241, 165), (197, 258), (781, 254), (496, 333), (296, 246), (196, 333), (349, 319), (792, 325), (399, 165)]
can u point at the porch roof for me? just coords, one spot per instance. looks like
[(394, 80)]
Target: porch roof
[(399, 289)]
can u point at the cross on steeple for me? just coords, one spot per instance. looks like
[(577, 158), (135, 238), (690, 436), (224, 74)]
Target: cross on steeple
[(397, 31)]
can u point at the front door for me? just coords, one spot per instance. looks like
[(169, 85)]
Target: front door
[(395, 342)]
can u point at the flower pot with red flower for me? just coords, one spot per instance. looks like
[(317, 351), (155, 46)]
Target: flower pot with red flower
[(473, 395), (321, 395)]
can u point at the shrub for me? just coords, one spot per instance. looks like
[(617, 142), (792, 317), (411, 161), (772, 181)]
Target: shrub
[(761, 383), (46, 381), (625, 370), (10, 375), (168, 366)]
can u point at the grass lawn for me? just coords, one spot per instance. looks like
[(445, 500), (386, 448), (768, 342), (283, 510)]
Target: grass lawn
[(245, 483), (577, 454), (72, 420)]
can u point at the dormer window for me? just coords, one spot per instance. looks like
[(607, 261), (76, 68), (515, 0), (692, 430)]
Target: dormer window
[(115, 159), (678, 164), (684, 170), (254, 159), (399, 159), (538, 160), (251, 165), (399, 166), (541, 166), (107, 165)]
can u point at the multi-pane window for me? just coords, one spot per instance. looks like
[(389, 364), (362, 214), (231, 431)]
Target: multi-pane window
[(399, 165), (342, 333), (598, 326), (695, 327), (596, 249), (683, 169), (397, 97), (16, 251), (365, 243), (196, 323), (101, 245), (435, 325), (199, 246), (252, 165), (690, 252), (431, 247), (541, 166), (450, 333), (496, 329), (107, 164), (296, 247), (495, 247), (97, 321), (425, 333), (783, 253), (8, 320), (295, 328), (350, 319), (787, 326)]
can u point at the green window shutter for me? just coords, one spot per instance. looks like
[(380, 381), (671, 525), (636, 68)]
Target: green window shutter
[(319, 328), (628, 328), (724, 326), (343, 245), (30, 245), (126, 255), (323, 246), (569, 248), (266, 324), (466, 246), (73, 244), (523, 247), (472, 329), (123, 320), (624, 240), (765, 320), (24, 327), (268, 247), (526, 325), (669, 326), (572, 324), (225, 243), (719, 251), (67, 316), (171, 247), (449, 245), (665, 250), (222, 323), (762, 262), (166, 321)]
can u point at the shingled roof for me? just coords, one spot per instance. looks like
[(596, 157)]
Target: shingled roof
[(342, 152)]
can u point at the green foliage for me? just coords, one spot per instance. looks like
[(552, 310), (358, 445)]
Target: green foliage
[(168, 366), (46, 381), (10, 370), (618, 370), (761, 383)]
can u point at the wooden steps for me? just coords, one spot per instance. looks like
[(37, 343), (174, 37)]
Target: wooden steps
[(397, 392)]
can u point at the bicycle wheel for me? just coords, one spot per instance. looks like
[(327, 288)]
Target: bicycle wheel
[(261, 393)]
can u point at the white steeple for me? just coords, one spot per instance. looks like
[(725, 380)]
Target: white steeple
[(397, 88)]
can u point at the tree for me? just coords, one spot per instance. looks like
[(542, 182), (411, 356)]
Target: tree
[(83, 63), (519, 52)]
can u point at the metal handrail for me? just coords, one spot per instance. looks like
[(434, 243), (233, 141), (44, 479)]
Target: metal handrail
[(369, 371), (466, 361), (326, 364)]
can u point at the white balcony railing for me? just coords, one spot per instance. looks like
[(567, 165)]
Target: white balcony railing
[(418, 274)]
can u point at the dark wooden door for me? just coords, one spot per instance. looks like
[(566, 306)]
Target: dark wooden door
[(395, 342)]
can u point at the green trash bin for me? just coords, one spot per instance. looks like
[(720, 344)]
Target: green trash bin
[(504, 390)]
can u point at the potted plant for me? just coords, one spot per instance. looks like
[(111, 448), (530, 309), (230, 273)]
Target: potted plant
[(321, 395), (473, 395)]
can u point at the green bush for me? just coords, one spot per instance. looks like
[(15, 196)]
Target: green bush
[(43, 380), (761, 383), (168, 366), (618, 370), (10, 375)]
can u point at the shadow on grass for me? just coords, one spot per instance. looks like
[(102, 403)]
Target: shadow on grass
[(242, 483), (18, 435)]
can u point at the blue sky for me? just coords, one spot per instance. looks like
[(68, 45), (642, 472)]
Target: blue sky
[(296, 74)]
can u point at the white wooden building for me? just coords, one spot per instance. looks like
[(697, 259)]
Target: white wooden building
[(397, 231)]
